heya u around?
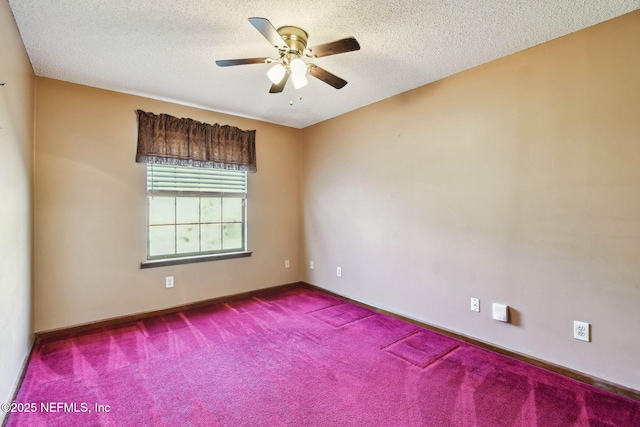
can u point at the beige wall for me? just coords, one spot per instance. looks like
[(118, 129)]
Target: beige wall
[(90, 211), (16, 171), (515, 182)]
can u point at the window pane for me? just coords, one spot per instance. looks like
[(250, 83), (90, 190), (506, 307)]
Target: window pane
[(188, 238), (202, 222), (187, 210), (211, 237), (232, 236), (211, 209), (161, 210), (232, 210), (161, 240)]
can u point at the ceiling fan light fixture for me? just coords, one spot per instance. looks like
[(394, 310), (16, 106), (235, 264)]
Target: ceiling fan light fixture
[(298, 67), (299, 80), (291, 43), (276, 73)]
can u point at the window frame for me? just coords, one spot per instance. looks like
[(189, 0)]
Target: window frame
[(200, 256)]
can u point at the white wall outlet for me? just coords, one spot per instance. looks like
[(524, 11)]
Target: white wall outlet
[(311, 265), (581, 330), (169, 281), (501, 312), (475, 304), (339, 272), (286, 263)]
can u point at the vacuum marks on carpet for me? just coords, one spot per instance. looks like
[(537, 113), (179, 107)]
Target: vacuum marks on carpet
[(300, 299), (422, 348), (246, 305), (382, 330), (556, 406), (343, 314)]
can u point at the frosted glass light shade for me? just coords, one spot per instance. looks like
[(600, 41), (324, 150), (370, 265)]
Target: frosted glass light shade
[(299, 80), (276, 73), (298, 67)]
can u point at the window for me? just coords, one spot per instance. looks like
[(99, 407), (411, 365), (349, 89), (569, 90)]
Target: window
[(195, 211)]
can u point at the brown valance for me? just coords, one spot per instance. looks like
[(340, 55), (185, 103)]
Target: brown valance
[(164, 139)]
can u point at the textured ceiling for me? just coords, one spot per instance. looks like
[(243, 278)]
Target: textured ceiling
[(166, 49)]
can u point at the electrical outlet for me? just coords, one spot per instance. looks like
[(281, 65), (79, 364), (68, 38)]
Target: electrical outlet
[(475, 304), (311, 265), (581, 330), (286, 263), (339, 272), (169, 281)]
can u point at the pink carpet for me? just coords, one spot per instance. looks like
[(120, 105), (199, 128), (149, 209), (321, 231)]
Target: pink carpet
[(295, 358)]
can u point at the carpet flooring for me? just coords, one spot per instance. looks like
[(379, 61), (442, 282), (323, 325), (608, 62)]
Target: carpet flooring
[(295, 358)]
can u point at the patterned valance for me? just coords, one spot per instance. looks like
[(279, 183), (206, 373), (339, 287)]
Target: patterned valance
[(164, 139)]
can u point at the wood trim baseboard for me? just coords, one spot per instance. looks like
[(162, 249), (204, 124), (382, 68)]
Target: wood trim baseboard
[(558, 369), (106, 323), (18, 383)]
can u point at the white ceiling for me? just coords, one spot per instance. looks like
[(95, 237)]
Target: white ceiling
[(166, 49)]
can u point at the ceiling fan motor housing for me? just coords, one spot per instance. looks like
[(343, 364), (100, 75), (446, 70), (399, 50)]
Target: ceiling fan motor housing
[(295, 38)]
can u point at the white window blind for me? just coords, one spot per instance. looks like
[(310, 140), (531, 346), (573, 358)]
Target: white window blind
[(185, 181)]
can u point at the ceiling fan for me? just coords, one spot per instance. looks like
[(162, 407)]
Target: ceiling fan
[(291, 43)]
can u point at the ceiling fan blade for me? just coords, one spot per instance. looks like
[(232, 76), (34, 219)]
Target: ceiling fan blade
[(325, 76), (269, 32), (279, 87), (339, 46), (230, 62)]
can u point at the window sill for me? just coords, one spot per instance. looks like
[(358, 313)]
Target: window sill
[(189, 260)]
